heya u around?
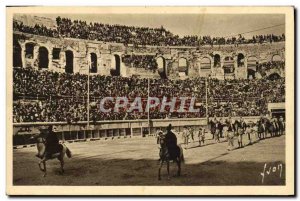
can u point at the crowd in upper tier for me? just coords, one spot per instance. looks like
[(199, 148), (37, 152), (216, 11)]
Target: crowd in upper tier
[(244, 97), (65, 27), (147, 62), (51, 97), (263, 67)]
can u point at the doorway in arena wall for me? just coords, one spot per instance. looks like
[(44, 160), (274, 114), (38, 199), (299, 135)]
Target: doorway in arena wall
[(240, 60), (17, 55), (277, 113), (161, 65), (251, 74), (217, 61), (69, 62), (116, 66), (43, 57), (93, 68)]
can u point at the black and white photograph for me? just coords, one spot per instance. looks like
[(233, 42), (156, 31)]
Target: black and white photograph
[(151, 100)]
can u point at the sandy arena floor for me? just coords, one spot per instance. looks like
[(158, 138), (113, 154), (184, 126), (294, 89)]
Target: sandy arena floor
[(134, 161)]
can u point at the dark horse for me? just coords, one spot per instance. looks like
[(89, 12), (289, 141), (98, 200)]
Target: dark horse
[(61, 152), (265, 126), (165, 157), (261, 129), (271, 128)]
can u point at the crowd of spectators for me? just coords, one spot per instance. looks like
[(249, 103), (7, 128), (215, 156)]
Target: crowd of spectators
[(147, 62), (244, 97), (263, 67), (48, 96), (49, 110), (36, 29), (135, 35)]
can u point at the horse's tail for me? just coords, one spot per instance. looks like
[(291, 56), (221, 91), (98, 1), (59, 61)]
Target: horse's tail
[(181, 154), (68, 152)]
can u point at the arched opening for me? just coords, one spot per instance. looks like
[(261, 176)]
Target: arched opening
[(251, 61), (217, 61), (276, 57), (274, 76), (56, 53), (69, 68), (117, 64), (250, 74), (93, 68), (228, 65), (182, 66), (43, 57), (205, 63), (240, 60), (17, 55), (29, 47), (161, 65)]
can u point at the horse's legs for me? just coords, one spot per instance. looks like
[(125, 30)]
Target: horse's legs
[(45, 169), (179, 165), (168, 168), (161, 164), (42, 169), (44, 166), (62, 165)]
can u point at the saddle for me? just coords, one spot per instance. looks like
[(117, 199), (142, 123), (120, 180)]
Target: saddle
[(54, 149), (174, 152)]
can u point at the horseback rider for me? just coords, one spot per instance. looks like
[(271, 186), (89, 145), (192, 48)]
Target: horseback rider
[(171, 142), (52, 142)]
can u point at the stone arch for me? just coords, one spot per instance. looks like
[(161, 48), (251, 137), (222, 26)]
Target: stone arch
[(228, 64), (69, 68), (240, 60), (217, 60), (116, 65), (251, 73), (276, 57), (161, 65), (182, 65), (205, 63), (17, 54), (274, 76), (43, 58), (182, 61), (94, 63), (29, 50), (252, 61)]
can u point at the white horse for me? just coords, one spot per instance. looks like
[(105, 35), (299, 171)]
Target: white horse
[(41, 147)]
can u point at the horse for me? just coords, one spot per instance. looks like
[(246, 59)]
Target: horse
[(41, 147), (281, 128), (261, 130), (271, 128), (165, 157)]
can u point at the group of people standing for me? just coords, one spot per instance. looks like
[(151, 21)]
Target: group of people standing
[(190, 133), (230, 128)]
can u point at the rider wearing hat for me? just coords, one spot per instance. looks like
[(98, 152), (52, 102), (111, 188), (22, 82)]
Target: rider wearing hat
[(171, 142), (52, 142)]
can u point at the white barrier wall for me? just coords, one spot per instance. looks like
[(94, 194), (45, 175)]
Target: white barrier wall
[(105, 129)]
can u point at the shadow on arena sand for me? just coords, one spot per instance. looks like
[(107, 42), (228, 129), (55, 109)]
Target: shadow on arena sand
[(217, 168)]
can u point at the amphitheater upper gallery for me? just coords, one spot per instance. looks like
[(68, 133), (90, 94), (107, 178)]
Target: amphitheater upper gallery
[(58, 61)]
